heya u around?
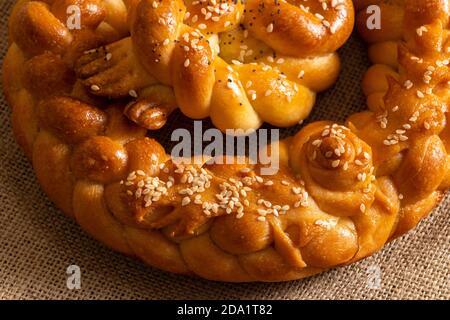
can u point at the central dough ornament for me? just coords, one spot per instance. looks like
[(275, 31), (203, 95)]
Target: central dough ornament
[(239, 63)]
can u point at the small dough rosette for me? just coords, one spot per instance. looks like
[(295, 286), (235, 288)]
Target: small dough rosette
[(336, 167)]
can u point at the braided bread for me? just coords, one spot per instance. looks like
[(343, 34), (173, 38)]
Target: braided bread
[(408, 93), (341, 192), (240, 64)]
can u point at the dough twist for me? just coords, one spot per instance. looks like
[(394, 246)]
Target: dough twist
[(341, 192), (240, 64), (408, 95)]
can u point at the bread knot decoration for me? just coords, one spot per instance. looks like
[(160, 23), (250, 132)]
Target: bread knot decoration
[(241, 63), (337, 166), (66, 27), (238, 217), (408, 95)]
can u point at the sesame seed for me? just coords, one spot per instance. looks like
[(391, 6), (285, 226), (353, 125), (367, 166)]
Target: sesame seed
[(335, 163), (262, 212), (319, 16), (185, 201), (408, 84), (421, 30), (326, 23), (333, 29), (337, 152), (345, 166)]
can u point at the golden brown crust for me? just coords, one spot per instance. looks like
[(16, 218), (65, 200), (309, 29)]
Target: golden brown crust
[(69, 119), (341, 192), (36, 29), (180, 43), (299, 32), (407, 92)]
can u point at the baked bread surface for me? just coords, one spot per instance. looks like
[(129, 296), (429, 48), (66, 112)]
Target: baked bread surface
[(241, 63), (342, 191)]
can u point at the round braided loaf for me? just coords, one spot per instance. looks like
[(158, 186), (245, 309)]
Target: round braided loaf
[(341, 193)]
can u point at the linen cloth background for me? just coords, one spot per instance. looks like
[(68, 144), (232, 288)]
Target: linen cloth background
[(38, 243)]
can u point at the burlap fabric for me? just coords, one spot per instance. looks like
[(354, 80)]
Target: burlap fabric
[(38, 243)]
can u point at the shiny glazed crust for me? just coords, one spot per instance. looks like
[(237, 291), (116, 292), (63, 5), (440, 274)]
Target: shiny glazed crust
[(341, 193), (274, 57)]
